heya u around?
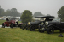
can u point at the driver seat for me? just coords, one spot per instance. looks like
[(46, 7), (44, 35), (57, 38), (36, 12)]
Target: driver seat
[(7, 19)]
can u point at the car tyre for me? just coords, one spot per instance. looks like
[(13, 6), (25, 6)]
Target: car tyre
[(50, 30), (3, 26), (11, 26)]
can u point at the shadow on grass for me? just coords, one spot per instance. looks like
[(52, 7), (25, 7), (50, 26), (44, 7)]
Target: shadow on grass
[(55, 32)]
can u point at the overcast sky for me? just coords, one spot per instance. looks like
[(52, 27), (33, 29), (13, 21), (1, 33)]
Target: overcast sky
[(44, 6)]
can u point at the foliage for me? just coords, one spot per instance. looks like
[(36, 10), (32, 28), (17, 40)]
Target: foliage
[(1, 11), (9, 12), (26, 16), (12, 12), (61, 13)]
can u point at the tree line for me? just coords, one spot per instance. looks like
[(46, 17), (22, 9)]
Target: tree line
[(27, 15), (9, 12)]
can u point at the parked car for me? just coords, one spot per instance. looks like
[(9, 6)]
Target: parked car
[(11, 23), (49, 25), (31, 25)]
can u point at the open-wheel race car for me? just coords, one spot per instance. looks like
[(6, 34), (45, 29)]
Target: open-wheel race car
[(12, 22), (49, 25)]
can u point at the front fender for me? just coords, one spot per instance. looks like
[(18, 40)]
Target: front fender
[(49, 25)]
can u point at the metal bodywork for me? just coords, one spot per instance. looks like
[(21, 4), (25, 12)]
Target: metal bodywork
[(31, 25), (50, 26), (10, 23), (47, 25), (35, 25)]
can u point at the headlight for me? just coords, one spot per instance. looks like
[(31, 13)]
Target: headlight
[(46, 23), (28, 22)]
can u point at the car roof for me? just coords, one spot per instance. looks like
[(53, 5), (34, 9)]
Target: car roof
[(44, 17)]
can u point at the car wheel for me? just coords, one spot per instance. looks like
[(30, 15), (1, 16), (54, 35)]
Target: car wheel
[(11, 26), (20, 27), (3, 26), (41, 29), (30, 28), (26, 28), (61, 31), (50, 30)]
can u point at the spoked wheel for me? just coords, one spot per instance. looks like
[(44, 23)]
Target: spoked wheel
[(3, 26), (23, 27), (27, 27), (31, 28), (20, 27), (11, 26), (41, 29), (61, 31), (50, 30)]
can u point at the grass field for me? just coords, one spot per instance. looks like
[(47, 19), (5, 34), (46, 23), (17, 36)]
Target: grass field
[(19, 35), (2, 21)]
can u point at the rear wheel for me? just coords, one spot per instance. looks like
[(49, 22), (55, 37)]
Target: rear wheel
[(50, 30), (11, 26), (41, 28)]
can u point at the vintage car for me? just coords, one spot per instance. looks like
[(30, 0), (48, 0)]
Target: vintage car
[(32, 25), (49, 25), (37, 24), (23, 26), (12, 22)]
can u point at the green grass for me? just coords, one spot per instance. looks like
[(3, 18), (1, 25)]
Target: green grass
[(2, 21), (19, 22), (19, 35)]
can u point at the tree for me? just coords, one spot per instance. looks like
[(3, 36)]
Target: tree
[(61, 13), (8, 12), (26, 16), (14, 12), (1, 11)]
